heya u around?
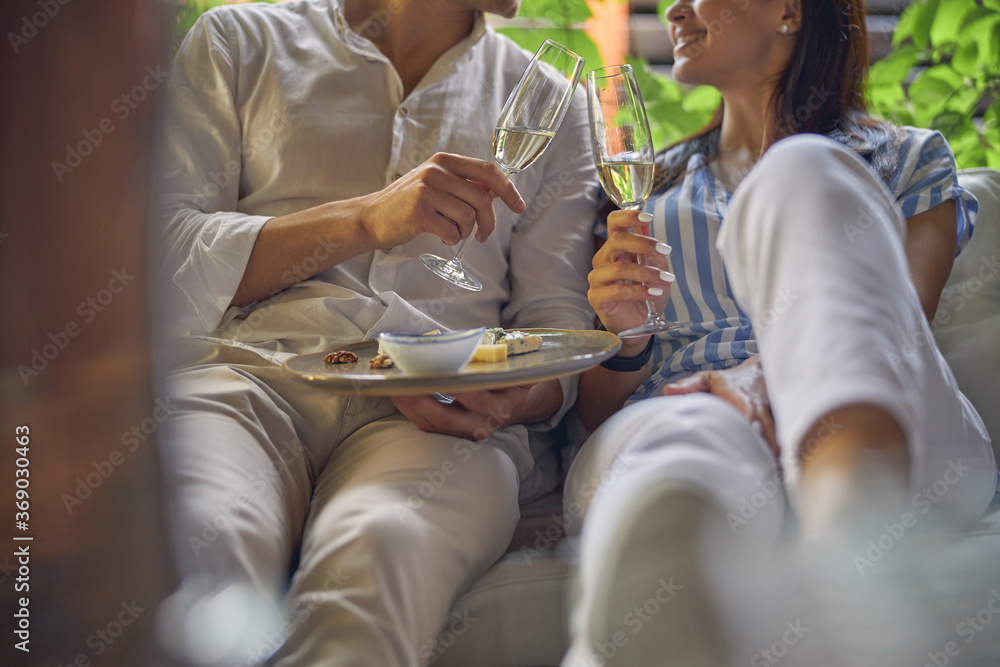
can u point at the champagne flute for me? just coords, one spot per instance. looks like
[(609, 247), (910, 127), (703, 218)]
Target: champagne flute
[(532, 114), (623, 153)]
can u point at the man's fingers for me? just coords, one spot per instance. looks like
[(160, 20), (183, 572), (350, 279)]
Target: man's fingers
[(460, 216), (487, 173), (480, 200)]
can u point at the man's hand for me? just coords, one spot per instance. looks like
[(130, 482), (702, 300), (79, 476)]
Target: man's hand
[(477, 414), (445, 196), (742, 387)]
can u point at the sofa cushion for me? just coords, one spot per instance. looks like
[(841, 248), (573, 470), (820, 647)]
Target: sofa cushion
[(967, 323)]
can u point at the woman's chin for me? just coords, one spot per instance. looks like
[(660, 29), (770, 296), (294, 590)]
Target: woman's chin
[(683, 72)]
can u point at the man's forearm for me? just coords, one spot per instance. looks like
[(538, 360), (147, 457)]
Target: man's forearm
[(319, 237)]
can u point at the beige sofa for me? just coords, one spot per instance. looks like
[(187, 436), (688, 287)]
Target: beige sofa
[(517, 614)]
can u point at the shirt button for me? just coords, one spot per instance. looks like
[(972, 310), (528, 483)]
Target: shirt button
[(371, 59), (403, 111)]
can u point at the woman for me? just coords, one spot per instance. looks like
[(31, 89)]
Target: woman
[(802, 282)]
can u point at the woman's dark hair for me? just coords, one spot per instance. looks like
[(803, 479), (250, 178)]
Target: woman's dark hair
[(822, 91)]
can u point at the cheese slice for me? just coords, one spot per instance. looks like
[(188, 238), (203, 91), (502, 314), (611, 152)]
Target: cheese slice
[(498, 344), (490, 353)]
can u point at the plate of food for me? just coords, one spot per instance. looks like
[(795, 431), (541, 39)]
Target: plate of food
[(501, 359)]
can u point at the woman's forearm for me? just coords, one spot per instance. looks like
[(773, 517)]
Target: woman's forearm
[(603, 392)]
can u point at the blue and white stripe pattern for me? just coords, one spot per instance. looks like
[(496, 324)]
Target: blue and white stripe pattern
[(689, 216)]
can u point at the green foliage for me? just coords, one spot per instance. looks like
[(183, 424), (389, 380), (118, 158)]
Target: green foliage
[(954, 48), (674, 111)]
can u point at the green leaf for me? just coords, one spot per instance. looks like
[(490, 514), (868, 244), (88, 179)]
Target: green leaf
[(930, 92), (895, 67), (992, 4), (991, 133), (916, 23), (975, 15), (887, 100), (964, 101), (965, 58), (989, 47), (974, 156), (703, 100), (991, 119), (557, 12), (947, 24)]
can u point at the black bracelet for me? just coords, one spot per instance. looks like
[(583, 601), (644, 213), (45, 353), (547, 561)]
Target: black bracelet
[(630, 364)]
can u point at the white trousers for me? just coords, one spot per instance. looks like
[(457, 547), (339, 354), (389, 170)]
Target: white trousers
[(388, 525), (812, 244)]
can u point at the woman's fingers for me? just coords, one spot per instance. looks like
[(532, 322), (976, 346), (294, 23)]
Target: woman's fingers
[(619, 272), (623, 221), (767, 428), (698, 383), (602, 297)]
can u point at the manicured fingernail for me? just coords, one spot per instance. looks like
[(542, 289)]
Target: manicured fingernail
[(666, 276), (663, 248), (654, 291), (447, 242), (645, 217)]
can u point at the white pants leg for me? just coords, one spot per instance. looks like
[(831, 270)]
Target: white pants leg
[(401, 523), (240, 479), (813, 249), (699, 440), (391, 524)]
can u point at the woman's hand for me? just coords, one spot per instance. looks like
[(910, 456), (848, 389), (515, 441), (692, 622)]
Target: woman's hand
[(619, 286), (742, 387)]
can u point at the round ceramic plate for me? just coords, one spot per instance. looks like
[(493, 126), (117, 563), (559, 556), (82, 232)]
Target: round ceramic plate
[(563, 352)]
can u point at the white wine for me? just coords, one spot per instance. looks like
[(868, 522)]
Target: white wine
[(515, 148), (627, 183)]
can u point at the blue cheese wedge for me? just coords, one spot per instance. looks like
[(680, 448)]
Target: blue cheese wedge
[(498, 344)]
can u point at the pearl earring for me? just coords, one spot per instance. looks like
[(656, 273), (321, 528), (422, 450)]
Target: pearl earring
[(784, 27)]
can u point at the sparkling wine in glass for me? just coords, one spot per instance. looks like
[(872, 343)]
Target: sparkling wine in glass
[(623, 153), (533, 112)]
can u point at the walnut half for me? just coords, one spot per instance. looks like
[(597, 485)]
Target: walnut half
[(340, 357), (381, 361)]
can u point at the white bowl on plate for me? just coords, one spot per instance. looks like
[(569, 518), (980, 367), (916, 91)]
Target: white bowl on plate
[(432, 354)]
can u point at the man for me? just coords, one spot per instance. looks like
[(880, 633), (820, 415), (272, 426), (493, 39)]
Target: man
[(313, 150)]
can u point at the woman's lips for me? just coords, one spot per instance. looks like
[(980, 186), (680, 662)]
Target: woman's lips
[(686, 40)]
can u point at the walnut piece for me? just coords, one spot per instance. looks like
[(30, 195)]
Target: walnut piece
[(340, 357), (381, 361)]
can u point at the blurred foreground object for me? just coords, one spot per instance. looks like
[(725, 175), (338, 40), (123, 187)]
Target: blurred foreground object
[(80, 81)]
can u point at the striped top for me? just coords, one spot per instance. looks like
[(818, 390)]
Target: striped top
[(688, 217)]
